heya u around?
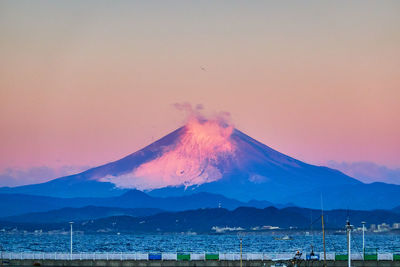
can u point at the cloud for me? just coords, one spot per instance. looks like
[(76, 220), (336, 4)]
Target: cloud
[(367, 172), (37, 174), (197, 112)]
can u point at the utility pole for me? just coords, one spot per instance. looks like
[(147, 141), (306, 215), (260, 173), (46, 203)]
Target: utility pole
[(348, 229), (363, 225), (71, 241), (241, 264)]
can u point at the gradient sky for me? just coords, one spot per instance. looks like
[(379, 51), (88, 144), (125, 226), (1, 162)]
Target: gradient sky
[(88, 82)]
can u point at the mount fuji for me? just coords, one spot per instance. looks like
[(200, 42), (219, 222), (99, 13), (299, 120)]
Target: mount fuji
[(212, 156)]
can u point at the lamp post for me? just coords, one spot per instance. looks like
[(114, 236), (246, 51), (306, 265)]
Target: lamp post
[(70, 223), (348, 229), (241, 252), (363, 229), (240, 235)]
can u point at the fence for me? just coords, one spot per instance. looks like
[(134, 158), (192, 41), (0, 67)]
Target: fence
[(185, 256)]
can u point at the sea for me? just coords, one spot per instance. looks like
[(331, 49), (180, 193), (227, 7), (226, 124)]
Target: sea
[(190, 242)]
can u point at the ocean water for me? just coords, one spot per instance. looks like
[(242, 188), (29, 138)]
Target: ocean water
[(260, 242)]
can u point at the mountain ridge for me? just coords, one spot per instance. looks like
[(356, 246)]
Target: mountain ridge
[(17, 204), (68, 214), (209, 220)]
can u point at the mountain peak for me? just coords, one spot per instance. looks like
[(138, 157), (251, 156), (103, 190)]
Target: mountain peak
[(191, 157)]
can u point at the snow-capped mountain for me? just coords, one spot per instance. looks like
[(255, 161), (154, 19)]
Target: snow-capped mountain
[(210, 156)]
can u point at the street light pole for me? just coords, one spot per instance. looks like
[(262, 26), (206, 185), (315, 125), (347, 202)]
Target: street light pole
[(71, 240), (241, 252), (348, 228), (363, 229)]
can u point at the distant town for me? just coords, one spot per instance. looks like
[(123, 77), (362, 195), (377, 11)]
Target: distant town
[(373, 228), (383, 227)]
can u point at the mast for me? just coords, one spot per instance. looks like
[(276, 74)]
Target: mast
[(323, 237)]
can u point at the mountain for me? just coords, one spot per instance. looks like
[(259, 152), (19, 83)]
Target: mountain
[(68, 187), (201, 220), (210, 220), (18, 204), (211, 156), (79, 214)]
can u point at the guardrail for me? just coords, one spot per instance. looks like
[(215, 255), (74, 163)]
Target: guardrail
[(190, 256)]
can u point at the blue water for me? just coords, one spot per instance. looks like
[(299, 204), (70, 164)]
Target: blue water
[(18, 242)]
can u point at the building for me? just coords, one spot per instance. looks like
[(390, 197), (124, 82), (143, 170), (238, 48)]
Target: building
[(383, 227)]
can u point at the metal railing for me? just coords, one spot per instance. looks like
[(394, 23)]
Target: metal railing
[(228, 256)]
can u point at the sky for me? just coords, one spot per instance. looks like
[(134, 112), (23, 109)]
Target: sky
[(83, 83)]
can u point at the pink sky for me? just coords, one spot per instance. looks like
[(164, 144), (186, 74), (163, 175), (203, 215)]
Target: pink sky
[(85, 83)]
